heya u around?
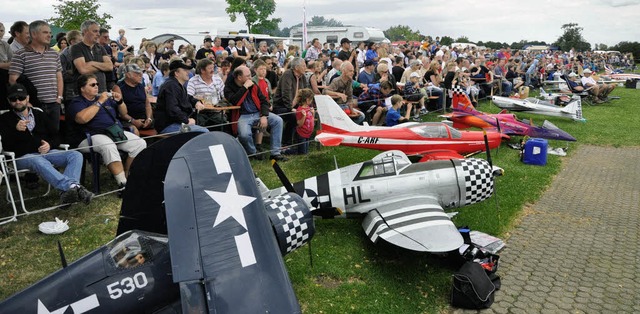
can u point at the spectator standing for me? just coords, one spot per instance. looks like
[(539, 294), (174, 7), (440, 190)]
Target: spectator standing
[(304, 122), (5, 61), (291, 81), (20, 33), (314, 51), (89, 57), (41, 65), (105, 42)]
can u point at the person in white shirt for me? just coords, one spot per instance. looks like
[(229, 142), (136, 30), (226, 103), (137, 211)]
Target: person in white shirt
[(601, 91)]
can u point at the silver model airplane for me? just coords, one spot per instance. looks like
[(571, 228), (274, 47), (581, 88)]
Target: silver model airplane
[(402, 203), (547, 107)]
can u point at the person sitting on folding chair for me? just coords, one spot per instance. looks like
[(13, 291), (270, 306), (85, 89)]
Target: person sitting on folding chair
[(600, 91), (28, 132)]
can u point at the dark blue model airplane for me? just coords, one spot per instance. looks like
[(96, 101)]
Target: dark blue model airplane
[(215, 252)]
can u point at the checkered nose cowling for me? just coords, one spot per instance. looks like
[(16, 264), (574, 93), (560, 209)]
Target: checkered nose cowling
[(478, 179), (292, 221)]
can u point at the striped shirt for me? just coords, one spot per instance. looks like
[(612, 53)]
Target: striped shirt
[(41, 69), (197, 86)]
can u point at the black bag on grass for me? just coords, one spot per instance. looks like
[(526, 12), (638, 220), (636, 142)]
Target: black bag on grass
[(472, 288)]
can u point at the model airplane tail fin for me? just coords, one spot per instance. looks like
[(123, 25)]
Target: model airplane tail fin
[(332, 117), (460, 100), (574, 108), (223, 252)]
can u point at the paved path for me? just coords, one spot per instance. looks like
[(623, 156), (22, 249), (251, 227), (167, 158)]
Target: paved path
[(577, 250)]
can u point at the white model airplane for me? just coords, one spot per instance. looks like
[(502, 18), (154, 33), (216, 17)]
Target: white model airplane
[(402, 203), (572, 110)]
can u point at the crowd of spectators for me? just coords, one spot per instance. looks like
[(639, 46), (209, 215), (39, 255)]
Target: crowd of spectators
[(96, 81)]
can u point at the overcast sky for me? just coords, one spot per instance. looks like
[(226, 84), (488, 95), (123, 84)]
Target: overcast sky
[(603, 21)]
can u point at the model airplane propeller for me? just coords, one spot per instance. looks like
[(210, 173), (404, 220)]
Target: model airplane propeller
[(465, 116), (400, 202), (431, 140), (220, 256)]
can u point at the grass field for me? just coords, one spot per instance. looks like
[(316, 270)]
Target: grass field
[(349, 274)]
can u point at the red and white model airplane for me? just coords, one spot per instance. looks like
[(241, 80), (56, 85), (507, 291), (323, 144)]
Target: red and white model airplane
[(432, 140)]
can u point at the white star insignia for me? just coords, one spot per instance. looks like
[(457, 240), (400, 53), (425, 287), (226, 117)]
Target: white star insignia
[(231, 203)]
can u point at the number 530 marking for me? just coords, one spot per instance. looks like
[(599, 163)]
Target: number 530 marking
[(127, 285)]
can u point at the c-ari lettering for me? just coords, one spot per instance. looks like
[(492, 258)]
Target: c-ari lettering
[(367, 140)]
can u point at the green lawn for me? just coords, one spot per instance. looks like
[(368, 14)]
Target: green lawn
[(349, 273)]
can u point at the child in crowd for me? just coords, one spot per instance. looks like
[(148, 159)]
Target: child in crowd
[(412, 93), (304, 117), (393, 115)]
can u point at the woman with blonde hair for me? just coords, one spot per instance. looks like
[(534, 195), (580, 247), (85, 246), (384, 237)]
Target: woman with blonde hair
[(316, 80)]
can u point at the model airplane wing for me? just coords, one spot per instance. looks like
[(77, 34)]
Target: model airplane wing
[(223, 252), (416, 223)]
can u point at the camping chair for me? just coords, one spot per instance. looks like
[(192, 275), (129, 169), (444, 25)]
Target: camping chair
[(12, 170), (5, 178), (585, 95)]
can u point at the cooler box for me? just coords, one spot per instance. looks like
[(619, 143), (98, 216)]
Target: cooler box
[(535, 152)]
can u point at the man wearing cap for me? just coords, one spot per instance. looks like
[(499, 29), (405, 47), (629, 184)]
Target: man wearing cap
[(205, 51), (29, 133), (367, 76), (254, 111), (346, 53), (139, 112), (601, 91), (174, 105), (41, 65)]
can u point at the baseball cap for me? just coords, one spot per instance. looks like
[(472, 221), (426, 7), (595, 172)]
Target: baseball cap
[(17, 90), (345, 40), (208, 39), (368, 63), (178, 64), (586, 71), (489, 63), (132, 68), (572, 74), (414, 74)]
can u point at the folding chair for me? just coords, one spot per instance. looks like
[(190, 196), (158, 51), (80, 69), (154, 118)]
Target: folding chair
[(12, 170), (584, 94), (5, 178)]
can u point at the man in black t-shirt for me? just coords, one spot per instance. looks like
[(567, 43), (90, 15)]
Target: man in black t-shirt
[(89, 57), (205, 52), (348, 54)]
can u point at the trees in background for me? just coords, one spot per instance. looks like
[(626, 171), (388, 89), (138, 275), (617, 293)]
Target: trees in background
[(71, 14)]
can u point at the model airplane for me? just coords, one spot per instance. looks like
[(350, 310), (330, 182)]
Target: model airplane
[(220, 255), (401, 203), (573, 110), (465, 116), (431, 140), (618, 75)]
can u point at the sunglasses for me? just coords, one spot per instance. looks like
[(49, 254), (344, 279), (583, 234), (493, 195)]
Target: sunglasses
[(20, 98), (114, 45), (94, 84)]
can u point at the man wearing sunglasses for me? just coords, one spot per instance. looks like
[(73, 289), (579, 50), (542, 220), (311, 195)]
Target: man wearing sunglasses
[(27, 132), (41, 65)]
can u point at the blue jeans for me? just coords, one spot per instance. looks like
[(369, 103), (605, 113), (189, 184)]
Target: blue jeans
[(44, 166), (506, 88), (245, 132), (301, 146), (175, 127)]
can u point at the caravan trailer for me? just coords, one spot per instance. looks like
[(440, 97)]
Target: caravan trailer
[(328, 34)]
